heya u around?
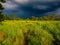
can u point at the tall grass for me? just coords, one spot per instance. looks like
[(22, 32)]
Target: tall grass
[(30, 33)]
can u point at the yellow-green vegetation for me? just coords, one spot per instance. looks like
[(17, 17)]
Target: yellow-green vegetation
[(30, 33)]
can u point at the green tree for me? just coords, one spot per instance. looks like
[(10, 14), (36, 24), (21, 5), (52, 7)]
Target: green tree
[(33, 18), (7, 17), (2, 16), (1, 9), (14, 16), (44, 18), (51, 17)]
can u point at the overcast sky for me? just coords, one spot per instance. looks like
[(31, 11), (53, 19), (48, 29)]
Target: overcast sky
[(27, 8)]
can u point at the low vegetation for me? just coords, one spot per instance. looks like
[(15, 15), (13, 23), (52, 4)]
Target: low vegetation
[(29, 32)]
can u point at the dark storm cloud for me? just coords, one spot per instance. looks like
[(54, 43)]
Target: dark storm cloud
[(50, 7), (32, 7)]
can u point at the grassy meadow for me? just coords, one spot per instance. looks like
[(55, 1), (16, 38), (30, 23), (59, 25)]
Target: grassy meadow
[(30, 32)]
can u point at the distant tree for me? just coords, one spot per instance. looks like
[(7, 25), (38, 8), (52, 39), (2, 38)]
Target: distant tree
[(28, 19), (43, 18), (7, 17), (14, 16), (18, 18), (51, 17), (33, 18)]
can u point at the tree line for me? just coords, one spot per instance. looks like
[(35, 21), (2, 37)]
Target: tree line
[(14, 16)]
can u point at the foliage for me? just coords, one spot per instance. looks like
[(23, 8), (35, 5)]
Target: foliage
[(15, 17), (30, 33), (49, 17), (1, 8), (4, 17), (2, 1)]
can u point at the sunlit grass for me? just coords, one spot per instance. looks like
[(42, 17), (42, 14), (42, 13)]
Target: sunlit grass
[(27, 32)]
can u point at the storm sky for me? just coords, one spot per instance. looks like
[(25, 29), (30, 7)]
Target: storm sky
[(27, 8)]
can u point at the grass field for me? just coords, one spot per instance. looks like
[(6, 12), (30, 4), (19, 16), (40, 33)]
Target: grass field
[(30, 33)]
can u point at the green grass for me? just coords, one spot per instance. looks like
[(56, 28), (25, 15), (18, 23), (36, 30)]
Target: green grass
[(30, 33)]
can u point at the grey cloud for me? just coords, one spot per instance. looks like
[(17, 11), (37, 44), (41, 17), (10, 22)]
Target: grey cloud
[(34, 7)]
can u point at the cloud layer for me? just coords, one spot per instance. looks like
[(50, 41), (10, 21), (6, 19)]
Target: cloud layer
[(27, 8)]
